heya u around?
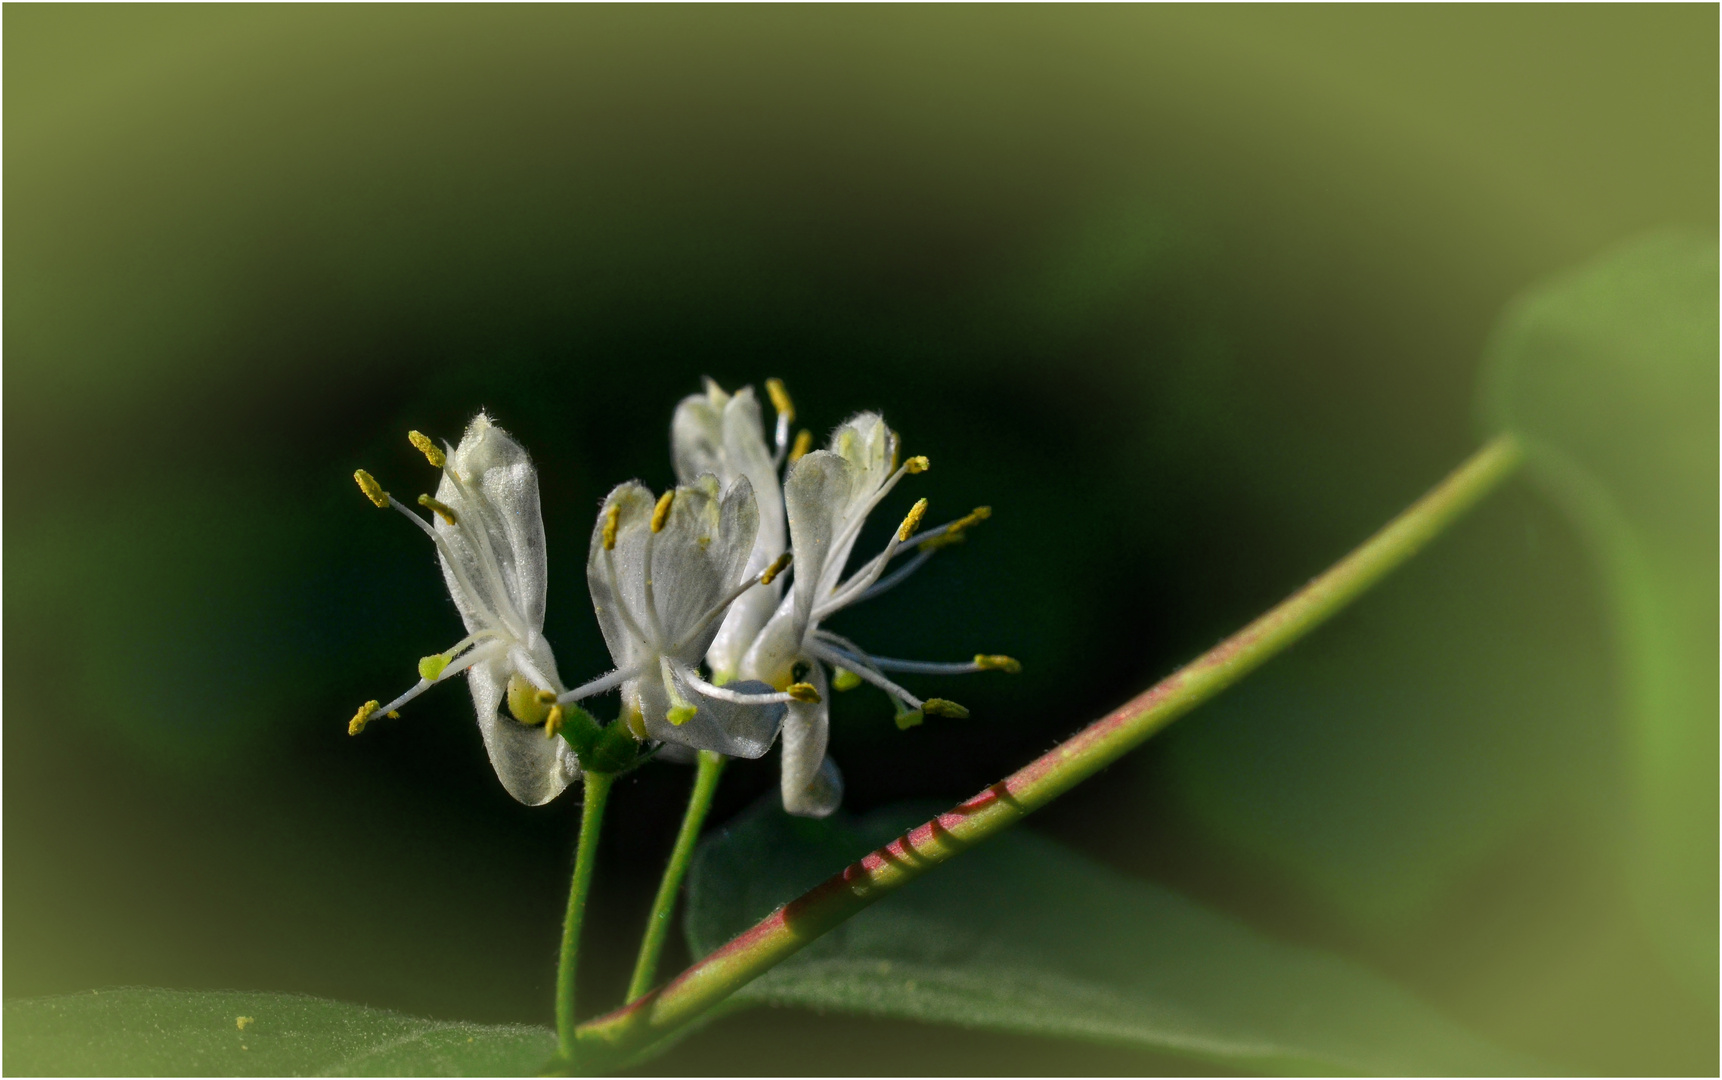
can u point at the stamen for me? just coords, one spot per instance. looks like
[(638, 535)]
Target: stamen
[(918, 667), (912, 521), (661, 513), (953, 533), (553, 722), (612, 521), (909, 719), (777, 567), (362, 717), (896, 576), (432, 666), (803, 443), (844, 679), (780, 399), (862, 667), (938, 706), (804, 692), (701, 686), (917, 464), (599, 685), (373, 490), (432, 452), (442, 510)]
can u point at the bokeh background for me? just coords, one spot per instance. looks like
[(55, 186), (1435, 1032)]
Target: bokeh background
[(1194, 298)]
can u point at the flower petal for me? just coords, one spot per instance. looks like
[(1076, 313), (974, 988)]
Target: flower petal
[(498, 537), (745, 731), (819, 798), (696, 435), (817, 496), (723, 435), (811, 785), (533, 769), (619, 600), (699, 557)]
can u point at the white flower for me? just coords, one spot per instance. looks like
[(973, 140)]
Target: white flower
[(489, 536), (721, 434), (663, 572), (827, 496)]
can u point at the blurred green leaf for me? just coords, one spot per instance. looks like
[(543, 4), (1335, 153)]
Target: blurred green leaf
[(140, 1031), (1609, 374), (1385, 762), (1022, 935)]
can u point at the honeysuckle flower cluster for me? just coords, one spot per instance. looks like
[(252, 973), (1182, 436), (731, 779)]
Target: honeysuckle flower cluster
[(696, 575)]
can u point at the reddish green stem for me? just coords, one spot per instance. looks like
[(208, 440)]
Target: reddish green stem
[(1003, 804)]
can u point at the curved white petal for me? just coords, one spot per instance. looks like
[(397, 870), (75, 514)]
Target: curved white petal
[(532, 768), (819, 798), (498, 537), (699, 557), (731, 445), (619, 599), (808, 788), (696, 435), (745, 731), (778, 646)]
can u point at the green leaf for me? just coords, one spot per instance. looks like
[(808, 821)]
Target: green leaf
[(140, 1031), (1609, 376), (1023, 935)]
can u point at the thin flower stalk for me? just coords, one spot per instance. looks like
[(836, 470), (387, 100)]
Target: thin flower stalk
[(597, 790), (706, 776)]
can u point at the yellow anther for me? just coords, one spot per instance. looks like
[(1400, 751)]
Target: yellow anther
[(393, 714), (244, 1022), (803, 443), (362, 717), (912, 521), (432, 666), (442, 510), (938, 706), (780, 398), (907, 720), (778, 566), (917, 464), (953, 533), (546, 697), (553, 722), (612, 519), (432, 452), (844, 679), (997, 663), (661, 513), (635, 722), (373, 490), (681, 714), (803, 692)]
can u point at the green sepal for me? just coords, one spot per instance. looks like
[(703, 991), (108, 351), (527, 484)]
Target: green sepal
[(614, 750), (581, 730)]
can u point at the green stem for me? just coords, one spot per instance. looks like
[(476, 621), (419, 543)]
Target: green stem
[(658, 923), (795, 924), (586, 854)]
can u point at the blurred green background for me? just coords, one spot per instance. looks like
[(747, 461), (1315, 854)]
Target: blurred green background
[(1193, 297)]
